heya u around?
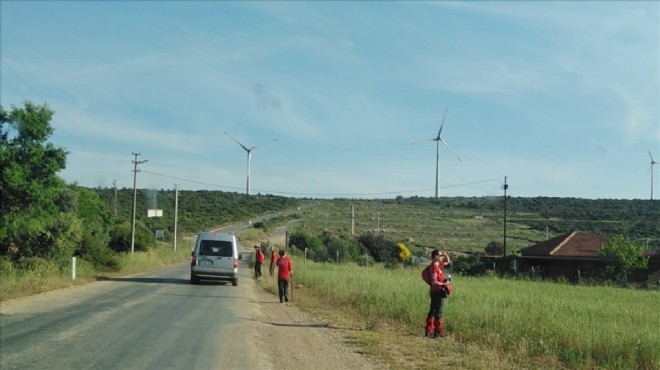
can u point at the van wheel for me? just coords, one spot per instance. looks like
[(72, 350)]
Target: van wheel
[(194, 279), (234, 282)]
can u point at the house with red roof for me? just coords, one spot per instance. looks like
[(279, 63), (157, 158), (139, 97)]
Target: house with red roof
[(574, 255)]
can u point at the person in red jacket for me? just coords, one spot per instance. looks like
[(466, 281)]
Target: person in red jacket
[(284, 270), (438, 292), (273, 261), (259, 258)]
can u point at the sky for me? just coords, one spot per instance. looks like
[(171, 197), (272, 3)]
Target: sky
[(560, 98)]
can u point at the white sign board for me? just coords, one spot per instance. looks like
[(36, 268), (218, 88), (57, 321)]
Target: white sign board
[(154, 213)]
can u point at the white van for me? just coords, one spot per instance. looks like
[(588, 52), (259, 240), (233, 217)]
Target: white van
[(215, 257)]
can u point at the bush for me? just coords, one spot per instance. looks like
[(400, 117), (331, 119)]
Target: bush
[(102, 258), (120, 237)]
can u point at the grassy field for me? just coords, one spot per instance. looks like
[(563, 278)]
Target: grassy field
[(492, 323), (419, 225)]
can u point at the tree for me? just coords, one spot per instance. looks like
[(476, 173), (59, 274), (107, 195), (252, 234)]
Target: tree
[(30, 190), (494, 248), (381, 249), (622, 256)]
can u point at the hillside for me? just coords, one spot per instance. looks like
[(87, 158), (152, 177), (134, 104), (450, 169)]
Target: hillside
[(458, 224)]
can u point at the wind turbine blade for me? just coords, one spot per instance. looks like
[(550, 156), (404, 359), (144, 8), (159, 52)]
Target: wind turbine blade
[(422, 141), (450, 149), (443, 122), (262, 144), (652, 160), (237, 142)]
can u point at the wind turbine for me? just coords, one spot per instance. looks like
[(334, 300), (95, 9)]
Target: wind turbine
[(249, 158), (438, 139), (653, 162)]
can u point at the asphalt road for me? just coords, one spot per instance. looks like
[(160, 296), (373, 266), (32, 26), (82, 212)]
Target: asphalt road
[(152, 321), (155, 320)]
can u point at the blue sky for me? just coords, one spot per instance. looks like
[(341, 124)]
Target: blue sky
[(563, 98)]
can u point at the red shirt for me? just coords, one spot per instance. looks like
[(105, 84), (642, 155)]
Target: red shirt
[(260, 256), (437, 275), (273, 256), (284, 268)]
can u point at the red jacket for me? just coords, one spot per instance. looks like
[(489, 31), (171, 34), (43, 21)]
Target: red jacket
[(260, 256), (437, 274), (273, 256), (285, 267)]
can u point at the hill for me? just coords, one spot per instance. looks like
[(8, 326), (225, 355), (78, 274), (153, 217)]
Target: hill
[(460, 224)]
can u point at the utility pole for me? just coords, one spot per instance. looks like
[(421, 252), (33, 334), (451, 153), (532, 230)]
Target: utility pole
[(176, 210), (505, 187), (352, 219), (378, 220), (114, 186), (135, 171)]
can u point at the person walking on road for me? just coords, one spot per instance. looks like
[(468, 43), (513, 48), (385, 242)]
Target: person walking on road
[(273, 261), (439, 288), (284, 270), (258, 261)]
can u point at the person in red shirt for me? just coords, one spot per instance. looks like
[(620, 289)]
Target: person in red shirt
[(259, 258), (438, 292), (273, 261), (284, 270)]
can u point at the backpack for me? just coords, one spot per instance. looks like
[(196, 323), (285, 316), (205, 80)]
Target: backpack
[(426, 274)]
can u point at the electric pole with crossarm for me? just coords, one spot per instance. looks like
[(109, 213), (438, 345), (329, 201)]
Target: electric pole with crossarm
[(135, 171)]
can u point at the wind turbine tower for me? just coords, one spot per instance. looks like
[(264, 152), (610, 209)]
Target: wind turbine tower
[(249, 158), (653, 162), (438, 139)]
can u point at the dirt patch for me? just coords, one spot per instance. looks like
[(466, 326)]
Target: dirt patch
[(292, 338)]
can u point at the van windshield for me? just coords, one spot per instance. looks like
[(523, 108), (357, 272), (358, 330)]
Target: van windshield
[(218, 248)]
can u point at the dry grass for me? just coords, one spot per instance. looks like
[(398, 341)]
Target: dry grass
[(44, 276), (397, 345), (492, 323)]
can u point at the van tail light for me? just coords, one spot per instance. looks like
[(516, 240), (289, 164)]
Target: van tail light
[(194, 260), (235, 263)]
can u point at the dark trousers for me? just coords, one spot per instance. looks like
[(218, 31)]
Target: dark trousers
[(257, 269), (272, 268), (437, 303), (283, 289)]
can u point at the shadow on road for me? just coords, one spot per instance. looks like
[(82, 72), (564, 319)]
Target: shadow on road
[(295, 325), (148, 280)]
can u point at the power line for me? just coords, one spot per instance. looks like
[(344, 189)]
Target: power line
[(22, 80), (319, 194)]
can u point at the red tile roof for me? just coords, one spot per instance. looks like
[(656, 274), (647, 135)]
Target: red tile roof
[(573, 244)]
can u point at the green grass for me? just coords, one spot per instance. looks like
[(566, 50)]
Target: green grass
[(580, 327), (419, 224)]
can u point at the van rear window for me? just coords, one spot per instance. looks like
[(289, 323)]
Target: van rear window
[(218, 248)]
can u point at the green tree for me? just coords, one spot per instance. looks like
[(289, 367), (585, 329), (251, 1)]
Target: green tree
[(381, 249), (31, 193), (622, 256)]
